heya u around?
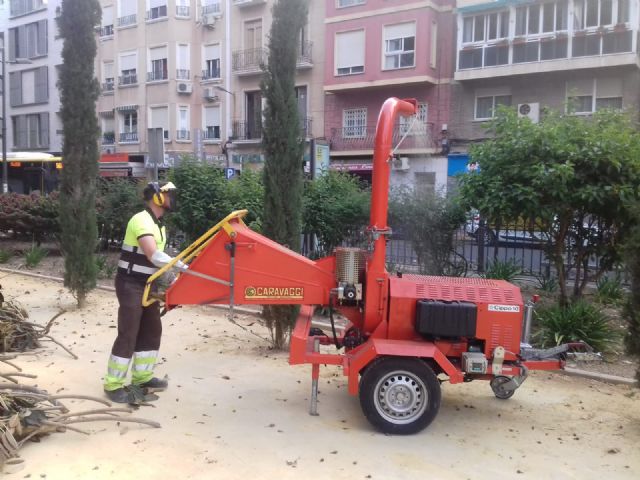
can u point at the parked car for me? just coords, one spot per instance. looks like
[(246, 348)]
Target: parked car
[(485, 234)]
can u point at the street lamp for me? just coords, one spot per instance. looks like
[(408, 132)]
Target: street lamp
[(5, 169)]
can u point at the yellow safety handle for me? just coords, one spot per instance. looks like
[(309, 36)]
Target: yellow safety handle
[(193, 250)]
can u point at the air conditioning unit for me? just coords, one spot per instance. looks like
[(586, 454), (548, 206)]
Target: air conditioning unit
[(400, 164), (184, 87), (208, 20), (529, 110), (209, 94)]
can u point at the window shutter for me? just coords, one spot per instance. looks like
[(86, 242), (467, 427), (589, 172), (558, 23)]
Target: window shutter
[(21, 134), (183, 57), (128, 62), (160, 117), (609, 87), (350, 49), (157, 53), (212, 116), (107, 16), (400, 31), (128, 7), (107, 70), (211, 52), (44, 130), (15, 89), (41, 85), (22, 50), (580, 87), (13, 44)]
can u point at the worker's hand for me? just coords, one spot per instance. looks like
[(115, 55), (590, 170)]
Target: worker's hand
[(180, 265)]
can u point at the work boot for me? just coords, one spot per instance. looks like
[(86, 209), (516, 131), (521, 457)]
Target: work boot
[(119, 395), (155, 385)]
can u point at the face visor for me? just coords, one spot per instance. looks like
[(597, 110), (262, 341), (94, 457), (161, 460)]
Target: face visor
[(170, 193)]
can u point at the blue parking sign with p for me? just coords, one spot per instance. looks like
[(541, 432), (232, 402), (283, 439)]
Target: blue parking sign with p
[(230, 173)]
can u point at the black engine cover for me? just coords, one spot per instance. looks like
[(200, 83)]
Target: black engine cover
[(439, 318)]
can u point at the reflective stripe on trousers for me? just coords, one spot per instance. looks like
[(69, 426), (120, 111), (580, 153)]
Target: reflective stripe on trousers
[(143, 364), (116, 372)]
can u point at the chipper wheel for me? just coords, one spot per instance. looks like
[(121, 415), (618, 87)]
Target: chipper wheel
[(399, 395), (497, 385)]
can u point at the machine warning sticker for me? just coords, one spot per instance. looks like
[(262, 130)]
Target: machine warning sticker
[(274, 292), (503, 308)]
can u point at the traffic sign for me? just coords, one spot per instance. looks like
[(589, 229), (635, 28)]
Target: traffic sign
[(229, 173)]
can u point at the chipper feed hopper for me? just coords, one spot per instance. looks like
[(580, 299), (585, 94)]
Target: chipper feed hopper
[(405, 333)]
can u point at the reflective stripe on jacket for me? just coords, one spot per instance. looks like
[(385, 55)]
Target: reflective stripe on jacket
[(132, 260)]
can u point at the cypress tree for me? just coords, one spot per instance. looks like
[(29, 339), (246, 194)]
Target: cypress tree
[(79, 91), (283, 146)]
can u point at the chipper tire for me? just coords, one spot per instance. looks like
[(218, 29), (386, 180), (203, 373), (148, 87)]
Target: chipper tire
[(498, 390), (399, 395)]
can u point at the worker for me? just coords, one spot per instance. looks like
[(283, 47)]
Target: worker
[(139, 327)]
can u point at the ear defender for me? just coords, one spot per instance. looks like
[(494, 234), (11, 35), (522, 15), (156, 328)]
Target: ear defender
[(158, 196)]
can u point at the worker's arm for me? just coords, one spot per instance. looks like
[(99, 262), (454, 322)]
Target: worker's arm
[(157, 257)]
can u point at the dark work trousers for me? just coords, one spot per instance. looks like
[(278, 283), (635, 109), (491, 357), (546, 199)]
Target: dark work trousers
[(139, 328)]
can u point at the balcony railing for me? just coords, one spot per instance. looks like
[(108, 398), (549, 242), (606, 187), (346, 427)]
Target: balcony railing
[(304, 55), (108, 86), (106, 31), (128, 137), (211, 133), (247, 130), (249, 61), (552, 46), (305, 126), (127, 20), (362, 137), (183, 10), (210, 73), (157, 12), (211, 8), (130, 79), (183, 135), (157, 76), (108, 138), (183, 74)]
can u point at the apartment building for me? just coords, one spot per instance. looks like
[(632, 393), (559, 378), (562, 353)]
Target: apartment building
[(32, 53), (376, 49), (192, 68), (575, 56)]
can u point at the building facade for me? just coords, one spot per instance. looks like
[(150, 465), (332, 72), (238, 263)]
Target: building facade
[(376, 49), (574, 56)]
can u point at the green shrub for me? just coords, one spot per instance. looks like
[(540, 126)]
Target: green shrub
[(499, 270), (106, 268), (33, 216), (34, 255), (579, 321), (547, 283), (5, 255), (610, 290), (117, 200)]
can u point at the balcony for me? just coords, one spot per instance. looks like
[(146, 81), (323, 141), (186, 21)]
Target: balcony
[(247, 131), (157, 76), (127, 20), (17, 9), (106, 31), (211, 74), (129, 137), (248, 3), (108, 138), (156, 13), (108, 86), (557, 51), (211, 9), (183, 11), (183, 135), (183, 74), (362, 138), (248, 62), (305, 60), (128, 80)]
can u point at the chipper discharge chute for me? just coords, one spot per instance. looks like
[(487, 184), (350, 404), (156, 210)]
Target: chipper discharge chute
[(405, 333)]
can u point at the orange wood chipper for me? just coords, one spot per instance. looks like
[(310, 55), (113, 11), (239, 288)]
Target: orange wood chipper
[(405, 333)]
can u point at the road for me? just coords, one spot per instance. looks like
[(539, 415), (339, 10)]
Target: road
[(237, 410)]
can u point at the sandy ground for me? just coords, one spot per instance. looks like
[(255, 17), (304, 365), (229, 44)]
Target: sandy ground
[(235, 410)]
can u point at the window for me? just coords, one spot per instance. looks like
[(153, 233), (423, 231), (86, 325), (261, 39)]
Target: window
[(486, 105), (31, 131), (28, 87), (183, 72), (349, 3), (128, 68), (106, 29), (481, 28), (158, 64), (354, 123), (108, 131), (108, 80), (127, 13), (545, 18), (596, 13), (587, 95), (157, 9), (183, 129), (349, 52), (28, 41), (253, 34), (433, 57), (183, 8), (129, 126), (22, 7), (211, 123), (211, 62), (399, 45), (159, 118), (416, 124), (210, 6)]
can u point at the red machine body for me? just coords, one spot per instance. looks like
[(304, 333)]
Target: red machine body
[(403, 331)]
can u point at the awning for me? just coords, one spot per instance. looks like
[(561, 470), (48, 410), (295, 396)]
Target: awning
[(127, 108), (352, 167), (107, 113), (481, 7)]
